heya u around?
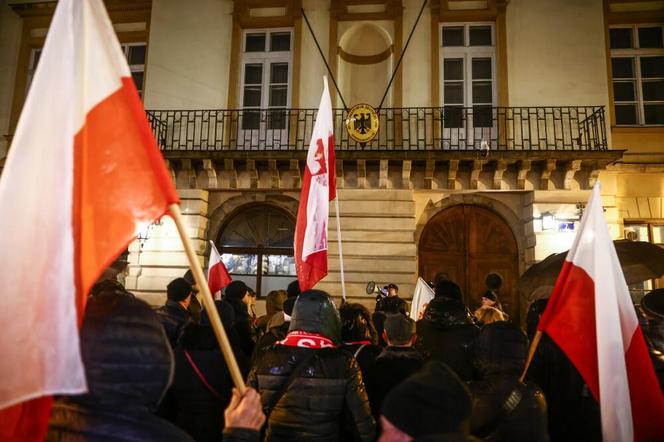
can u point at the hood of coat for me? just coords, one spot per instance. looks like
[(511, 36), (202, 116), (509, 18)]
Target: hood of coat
[(128, 361), (447, 313), (314, 312)]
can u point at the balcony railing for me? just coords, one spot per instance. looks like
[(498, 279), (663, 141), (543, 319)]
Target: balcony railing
[(449, 128)]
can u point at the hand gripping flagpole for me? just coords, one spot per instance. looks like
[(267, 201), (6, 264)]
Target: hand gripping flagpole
[(208, 302), (341, 255)]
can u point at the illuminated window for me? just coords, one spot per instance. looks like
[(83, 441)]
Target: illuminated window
[(257, 247), (637, 65), (649, 232)]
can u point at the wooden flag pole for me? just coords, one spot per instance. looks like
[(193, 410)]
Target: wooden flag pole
[(208, 302), (531, 354), (341, 255)]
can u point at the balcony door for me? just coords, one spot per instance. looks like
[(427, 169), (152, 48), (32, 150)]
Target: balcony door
[(468, 90), (266, 79), (467, 243)]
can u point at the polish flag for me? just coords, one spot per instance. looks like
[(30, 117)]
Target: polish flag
[(83, 172), (318, 189), (591, 317), (217, 276)]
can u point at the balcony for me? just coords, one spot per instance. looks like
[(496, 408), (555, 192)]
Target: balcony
[(402, 130)]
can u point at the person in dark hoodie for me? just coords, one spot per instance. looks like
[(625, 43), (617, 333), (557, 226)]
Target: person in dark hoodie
[(447, 333), (432, 405), (505, 409), (202, 384), (195, 306), (237, 294), (396, 362), (292, 375), (128, 367), (359, 335)]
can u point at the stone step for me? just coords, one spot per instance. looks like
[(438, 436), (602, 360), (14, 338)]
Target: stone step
[(370, 236), (374, 208), (381, 279), (383, 265), (373, 249), (374, 195), (373, 223)]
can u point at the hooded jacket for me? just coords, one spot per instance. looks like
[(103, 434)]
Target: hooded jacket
[(328, 401), (128, 366), (447, 333)]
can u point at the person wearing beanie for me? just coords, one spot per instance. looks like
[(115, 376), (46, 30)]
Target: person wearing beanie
[(431, 405), (293, 289), (503, 407), (238, 295), (174, 315), (128, 367), (447, 333), (310, 389)]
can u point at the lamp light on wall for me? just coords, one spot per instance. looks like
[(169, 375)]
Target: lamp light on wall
[(548, 221), (143, 231)]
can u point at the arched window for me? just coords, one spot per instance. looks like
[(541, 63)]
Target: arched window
[(256, 245)]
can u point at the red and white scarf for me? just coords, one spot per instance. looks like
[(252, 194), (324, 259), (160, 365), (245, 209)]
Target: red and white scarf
[(306, 340)]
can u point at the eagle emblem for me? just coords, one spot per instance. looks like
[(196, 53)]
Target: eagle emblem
[(362, 123)]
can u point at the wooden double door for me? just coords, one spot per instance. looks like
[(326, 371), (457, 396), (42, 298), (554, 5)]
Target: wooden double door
[(467, 243)]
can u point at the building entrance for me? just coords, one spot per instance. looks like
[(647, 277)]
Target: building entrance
[(467, 243)]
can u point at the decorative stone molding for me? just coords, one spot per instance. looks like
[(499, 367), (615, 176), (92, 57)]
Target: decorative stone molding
[(452, 173), (274, 173), (209, 175), (475, 173), (295, 173), (383, 181), (570, 170), (428, 174), (501, 166), (253, 174), (406, 166), (361, 174), (545, 179), (522, 175)]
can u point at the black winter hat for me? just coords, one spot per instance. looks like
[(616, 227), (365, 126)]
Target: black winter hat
[(293, 289), (178, 289), (448, 289), (314, 312), (489, 295), (431, 402), (236, 290)]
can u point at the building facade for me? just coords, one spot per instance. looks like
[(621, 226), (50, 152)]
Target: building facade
[(500, 118)]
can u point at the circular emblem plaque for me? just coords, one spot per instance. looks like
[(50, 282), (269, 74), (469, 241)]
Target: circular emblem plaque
[(362, 123)]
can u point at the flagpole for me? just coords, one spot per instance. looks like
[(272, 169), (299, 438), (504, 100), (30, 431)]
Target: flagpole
[(531, 354), (341, 255), (208, 302)]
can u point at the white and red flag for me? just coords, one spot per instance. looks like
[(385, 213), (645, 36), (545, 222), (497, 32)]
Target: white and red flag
[(217, 276), (318, 189), (590, 316), (83, 172)]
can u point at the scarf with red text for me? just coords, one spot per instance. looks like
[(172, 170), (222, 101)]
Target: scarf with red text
[(306, 340)]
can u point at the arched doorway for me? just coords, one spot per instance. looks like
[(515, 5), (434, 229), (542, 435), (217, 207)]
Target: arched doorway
[(256, 245), (468, 242)]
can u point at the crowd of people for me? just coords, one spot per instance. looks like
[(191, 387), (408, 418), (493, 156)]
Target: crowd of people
[(318, 372)]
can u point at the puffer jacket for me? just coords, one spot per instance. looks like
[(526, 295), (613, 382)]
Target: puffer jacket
[(128, 366), (328, 400), (447, 333)]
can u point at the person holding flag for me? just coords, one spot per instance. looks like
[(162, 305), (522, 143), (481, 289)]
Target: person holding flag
[(590, 316), (218, 277)]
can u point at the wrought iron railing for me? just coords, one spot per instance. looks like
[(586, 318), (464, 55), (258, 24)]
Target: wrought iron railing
[(449, 128)]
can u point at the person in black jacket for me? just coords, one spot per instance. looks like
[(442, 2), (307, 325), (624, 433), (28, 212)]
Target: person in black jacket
[(573, 412), (237, 294), (359, 335), (174, 315), (397, 361), (277, 328), (447, 333), (202, 384), (311, 389), (128, 367), (505, 409)]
